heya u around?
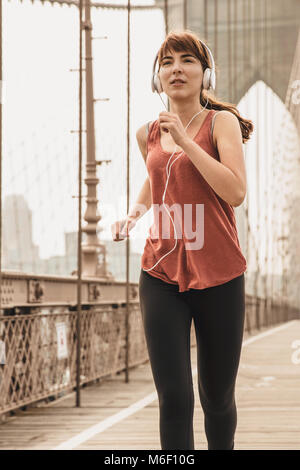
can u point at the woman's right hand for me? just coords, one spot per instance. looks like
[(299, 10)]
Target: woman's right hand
[(121, 228)]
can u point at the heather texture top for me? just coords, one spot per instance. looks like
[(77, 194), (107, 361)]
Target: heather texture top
[(208, 251)]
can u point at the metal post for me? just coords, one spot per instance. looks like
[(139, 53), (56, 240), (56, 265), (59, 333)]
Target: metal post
[(78, 325), (90, 250)]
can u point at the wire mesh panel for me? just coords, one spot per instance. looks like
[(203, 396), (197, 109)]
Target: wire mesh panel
[(38, 351), (39, 361)]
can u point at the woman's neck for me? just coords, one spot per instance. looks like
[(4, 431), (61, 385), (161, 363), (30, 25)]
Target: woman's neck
[(186, 111)]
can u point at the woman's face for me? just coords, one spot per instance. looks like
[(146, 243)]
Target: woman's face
[(184, 66)]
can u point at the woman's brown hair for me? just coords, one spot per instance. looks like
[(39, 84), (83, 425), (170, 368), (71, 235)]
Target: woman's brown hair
[(188, 41)]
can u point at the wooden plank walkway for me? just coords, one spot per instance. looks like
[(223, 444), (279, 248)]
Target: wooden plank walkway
[(267, 397)]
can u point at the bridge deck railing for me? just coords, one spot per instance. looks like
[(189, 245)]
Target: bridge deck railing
[(38, 351)]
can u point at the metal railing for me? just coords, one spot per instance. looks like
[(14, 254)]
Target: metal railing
[(40, 349)]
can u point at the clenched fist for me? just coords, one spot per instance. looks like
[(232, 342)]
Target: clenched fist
[(121, 228)]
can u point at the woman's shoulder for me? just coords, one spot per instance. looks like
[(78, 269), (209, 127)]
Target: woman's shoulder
[(220, 117), (142, 136), (224, 114), (142, 132), (151, 124)]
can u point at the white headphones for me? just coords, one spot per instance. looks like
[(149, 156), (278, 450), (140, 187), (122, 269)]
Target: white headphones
[(209, 76), (209, 80)]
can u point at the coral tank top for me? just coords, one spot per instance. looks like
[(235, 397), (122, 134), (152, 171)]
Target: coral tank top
[(208, 251)]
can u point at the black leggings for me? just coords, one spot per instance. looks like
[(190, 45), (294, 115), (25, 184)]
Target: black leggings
[(218, 314)]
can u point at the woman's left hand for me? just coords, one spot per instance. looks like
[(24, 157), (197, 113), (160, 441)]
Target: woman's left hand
[(171, 122)]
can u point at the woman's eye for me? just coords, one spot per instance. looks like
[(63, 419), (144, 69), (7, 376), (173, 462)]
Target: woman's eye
[(186, 60)]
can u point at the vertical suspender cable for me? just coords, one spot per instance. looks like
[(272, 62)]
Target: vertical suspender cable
[(216, 39), (1, 98), (205, 21), (246, 203), (273, 310), (251, 56), (166, 7), (248, 107), (235, 75), (263, 189), (258, 227), (127, 322), (166, 15), (267, 178), (251, 233), (185, 20), (79, 267), (229, 50)]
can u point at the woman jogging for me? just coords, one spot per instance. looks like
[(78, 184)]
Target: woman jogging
[(192, 264)]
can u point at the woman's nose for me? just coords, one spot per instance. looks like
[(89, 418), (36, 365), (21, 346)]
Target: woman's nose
[(177, 66)]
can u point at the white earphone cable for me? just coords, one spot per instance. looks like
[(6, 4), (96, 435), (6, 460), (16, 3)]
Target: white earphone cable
[(168, 175)]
